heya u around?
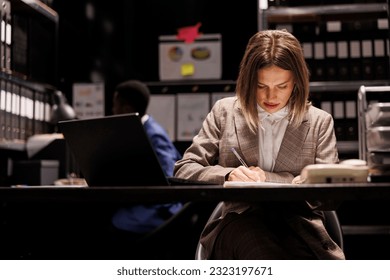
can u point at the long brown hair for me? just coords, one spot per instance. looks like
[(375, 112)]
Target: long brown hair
[(279, 48)]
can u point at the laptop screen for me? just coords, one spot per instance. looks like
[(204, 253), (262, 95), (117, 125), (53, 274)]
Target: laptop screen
[(113, 151)]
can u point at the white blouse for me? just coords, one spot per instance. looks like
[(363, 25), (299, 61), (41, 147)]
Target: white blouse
[(271, 132)]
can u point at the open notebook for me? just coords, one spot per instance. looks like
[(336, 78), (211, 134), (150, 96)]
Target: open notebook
[(113, 151)]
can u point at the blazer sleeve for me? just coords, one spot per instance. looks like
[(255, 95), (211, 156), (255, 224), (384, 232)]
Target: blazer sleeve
[(200, 162)]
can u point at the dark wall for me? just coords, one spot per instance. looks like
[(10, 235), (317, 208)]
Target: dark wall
[(120, 40)]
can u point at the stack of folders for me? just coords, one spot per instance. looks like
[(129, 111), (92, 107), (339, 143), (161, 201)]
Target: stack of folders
[(377, 119), (344, 50), (24, 111), (5, 35)]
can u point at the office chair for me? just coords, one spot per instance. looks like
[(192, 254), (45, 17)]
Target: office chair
[(332, 225)]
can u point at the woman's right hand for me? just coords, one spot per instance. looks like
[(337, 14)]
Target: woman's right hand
[(247, 174)]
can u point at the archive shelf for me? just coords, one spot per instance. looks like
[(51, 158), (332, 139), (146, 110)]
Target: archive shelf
[(28, 76), (346, 45)]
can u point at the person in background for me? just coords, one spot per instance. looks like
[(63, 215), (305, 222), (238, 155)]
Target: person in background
[(277, 131), (129, 97)]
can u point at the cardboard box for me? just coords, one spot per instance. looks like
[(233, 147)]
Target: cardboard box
[(201, 59)]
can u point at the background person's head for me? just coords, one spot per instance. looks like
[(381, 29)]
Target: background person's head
[(130, 97)]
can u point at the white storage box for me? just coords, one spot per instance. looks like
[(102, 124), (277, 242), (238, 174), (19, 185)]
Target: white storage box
[(201, 59), (35, 172)]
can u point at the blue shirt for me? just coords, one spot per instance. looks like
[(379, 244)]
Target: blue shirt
[(144, 218)]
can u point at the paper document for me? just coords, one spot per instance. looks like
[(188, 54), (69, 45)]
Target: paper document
[(49, 186), (239, 184)]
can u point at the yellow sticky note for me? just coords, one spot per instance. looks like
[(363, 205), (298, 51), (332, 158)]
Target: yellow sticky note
[(187, 69)]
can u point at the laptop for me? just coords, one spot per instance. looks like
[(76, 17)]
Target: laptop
[(113, 151)]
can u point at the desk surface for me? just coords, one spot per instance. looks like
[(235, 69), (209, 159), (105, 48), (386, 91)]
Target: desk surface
[(356, 191)]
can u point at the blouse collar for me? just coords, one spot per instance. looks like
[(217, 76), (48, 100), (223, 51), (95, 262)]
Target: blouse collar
[(277, 116)]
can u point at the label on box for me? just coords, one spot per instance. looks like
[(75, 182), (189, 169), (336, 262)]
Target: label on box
[(201, 59)]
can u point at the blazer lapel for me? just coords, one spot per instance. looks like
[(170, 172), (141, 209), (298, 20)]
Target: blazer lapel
[(248, 142), (292, 141)]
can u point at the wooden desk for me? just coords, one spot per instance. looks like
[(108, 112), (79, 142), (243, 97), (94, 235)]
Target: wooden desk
[(356, 191)]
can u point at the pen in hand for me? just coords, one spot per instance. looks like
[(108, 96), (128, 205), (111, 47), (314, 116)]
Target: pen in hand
[(239, 157)]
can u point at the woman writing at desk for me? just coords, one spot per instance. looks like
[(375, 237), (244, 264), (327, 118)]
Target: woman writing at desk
[(276, 130)]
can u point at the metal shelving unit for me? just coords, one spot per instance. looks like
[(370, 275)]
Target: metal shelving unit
[(314, 20), (28, 76), (319, 13)]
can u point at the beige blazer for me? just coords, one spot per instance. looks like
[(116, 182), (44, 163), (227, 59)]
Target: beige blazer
[(209, 158)]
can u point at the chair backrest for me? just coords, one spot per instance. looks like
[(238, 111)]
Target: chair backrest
[(332, 225), (217, 213)]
